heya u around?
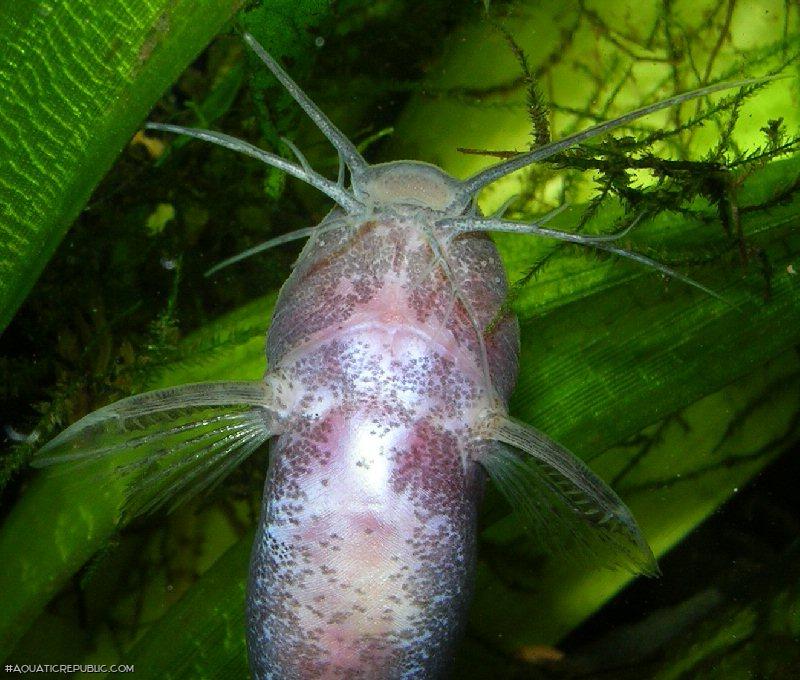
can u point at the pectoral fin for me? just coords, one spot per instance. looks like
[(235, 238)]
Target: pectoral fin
[(169, 444), (561, 500)]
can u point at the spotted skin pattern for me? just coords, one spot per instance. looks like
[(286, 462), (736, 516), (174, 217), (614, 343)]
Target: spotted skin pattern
[(365, 549), (391, 361)]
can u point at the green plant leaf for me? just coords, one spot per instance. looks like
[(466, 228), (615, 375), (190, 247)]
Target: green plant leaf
[(63, 519), (76, 80), (758, 629)]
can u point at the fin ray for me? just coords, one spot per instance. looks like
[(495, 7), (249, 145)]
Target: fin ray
[(558, 496), (168, 444)]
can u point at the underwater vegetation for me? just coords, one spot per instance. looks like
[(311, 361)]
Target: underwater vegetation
[(676, 398)]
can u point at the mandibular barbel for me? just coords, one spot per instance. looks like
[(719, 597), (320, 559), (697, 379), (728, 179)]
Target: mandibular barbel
[(391, 362)]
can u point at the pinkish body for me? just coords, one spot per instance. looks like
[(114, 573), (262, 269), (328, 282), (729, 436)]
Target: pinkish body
[(363, 559), (390, 367)]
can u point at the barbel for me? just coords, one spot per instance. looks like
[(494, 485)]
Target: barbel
[(391, 362)]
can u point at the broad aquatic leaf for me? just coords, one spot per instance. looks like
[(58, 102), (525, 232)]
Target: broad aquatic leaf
[(63, 519), (216, 641), (76, 79)]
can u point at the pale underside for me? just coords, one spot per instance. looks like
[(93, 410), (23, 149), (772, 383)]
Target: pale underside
[(173, 443)]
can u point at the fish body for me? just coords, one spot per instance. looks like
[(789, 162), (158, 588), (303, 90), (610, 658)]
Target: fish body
[(363, 558), (391, 361)]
